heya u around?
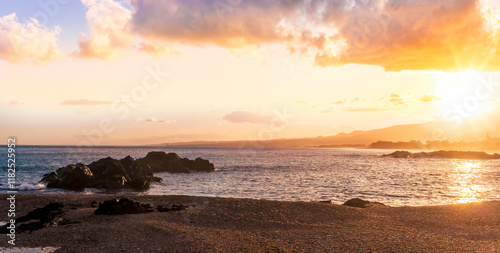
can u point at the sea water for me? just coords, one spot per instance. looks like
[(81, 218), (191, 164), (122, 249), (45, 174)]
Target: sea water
[(288, 174)]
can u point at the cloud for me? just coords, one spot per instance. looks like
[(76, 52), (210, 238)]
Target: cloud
[(246, 117), (396, 98), (398, 35), (27, 42), (327, 110), (449, 35), (429, 98), (15, 102), (158, 49), (364, 109), (199, 22), (84, 102), (109, 30), (153, 119), (339, 102)]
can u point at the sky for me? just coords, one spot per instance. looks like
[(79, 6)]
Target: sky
[(139, 72)]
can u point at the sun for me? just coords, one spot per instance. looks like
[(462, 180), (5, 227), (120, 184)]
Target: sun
[(465, 96)]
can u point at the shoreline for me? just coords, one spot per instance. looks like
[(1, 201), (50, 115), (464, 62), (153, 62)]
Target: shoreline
[(212, 224)]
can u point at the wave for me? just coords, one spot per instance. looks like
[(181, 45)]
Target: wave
[(30, 187)]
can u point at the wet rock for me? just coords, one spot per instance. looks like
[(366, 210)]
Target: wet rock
[(51, 180), (160, 161), (357, 202), (162, 209), (39, 218), (32, 226), (74, 176), (110, 173), (44, 214), (178, 207), (122, 206), (106, 173)]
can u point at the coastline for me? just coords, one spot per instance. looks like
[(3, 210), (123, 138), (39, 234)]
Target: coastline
[(213, 224)]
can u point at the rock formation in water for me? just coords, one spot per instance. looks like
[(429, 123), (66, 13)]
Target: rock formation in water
[(110, 173), (444, 154), (171, 162)]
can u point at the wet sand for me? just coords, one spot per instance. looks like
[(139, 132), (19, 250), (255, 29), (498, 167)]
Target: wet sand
[(244, 225)]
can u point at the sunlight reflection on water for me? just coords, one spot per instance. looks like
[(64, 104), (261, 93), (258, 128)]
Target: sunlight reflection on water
[(467, 182)]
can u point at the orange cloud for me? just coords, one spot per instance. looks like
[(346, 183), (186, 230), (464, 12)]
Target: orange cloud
[(429, 98), (327, 110), (396, 98), (418, 35), (448, 35), (364, 109), (158, 49), (84, 102), (246, 117), (27, 42), (338, 102), (153, 119)]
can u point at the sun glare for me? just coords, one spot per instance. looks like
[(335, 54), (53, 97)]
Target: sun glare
[(465, 95)]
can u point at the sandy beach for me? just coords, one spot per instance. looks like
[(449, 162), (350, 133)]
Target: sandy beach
[(244, 225)]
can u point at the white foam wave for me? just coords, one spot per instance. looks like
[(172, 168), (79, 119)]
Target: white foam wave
[(30, 187)]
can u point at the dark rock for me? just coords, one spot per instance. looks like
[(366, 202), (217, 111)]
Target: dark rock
[(178, 207), (356, 202), (32, 226), (444, 154), (106, 173), (110, 173), (74, 177), (40, 218), (162, 209), (160, 161), (51, 180), (198, 164), (139, 183), (399, 154), (122, 206), (93, 204), (156, 179), (44, 214)]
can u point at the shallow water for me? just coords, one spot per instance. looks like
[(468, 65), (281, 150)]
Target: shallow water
[(287, 174)]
